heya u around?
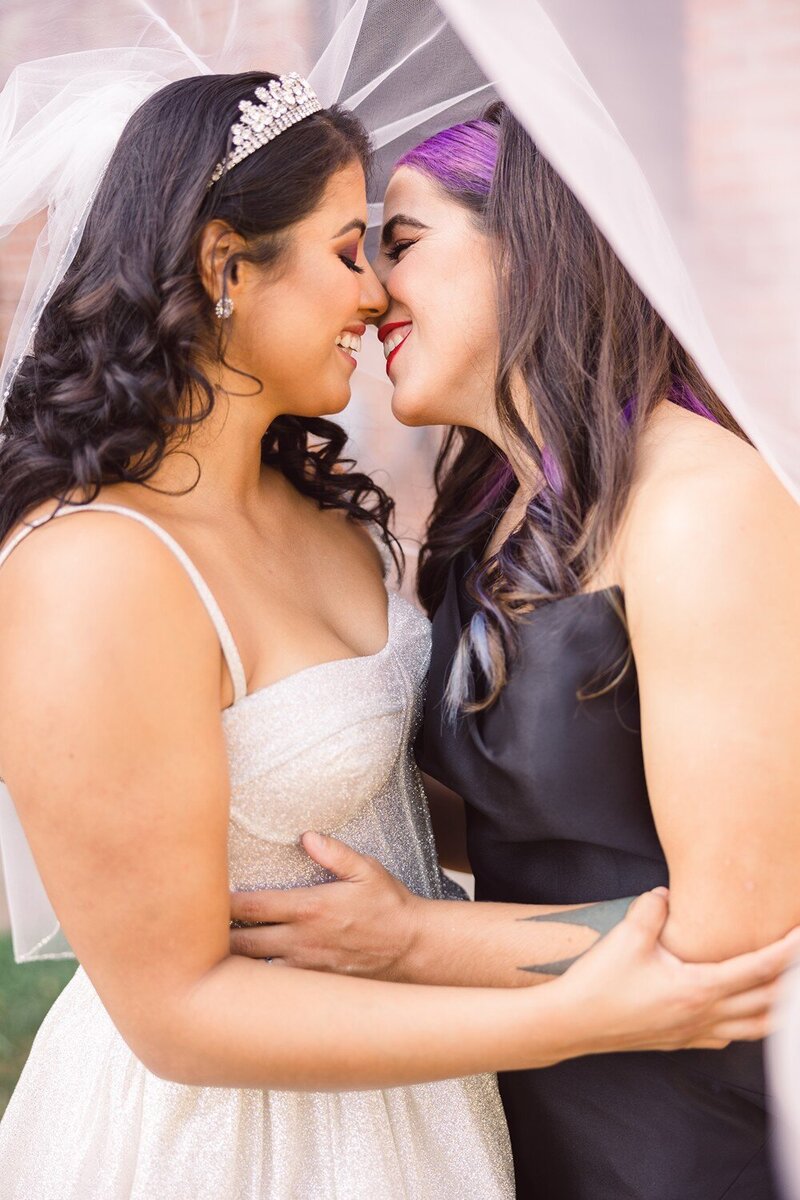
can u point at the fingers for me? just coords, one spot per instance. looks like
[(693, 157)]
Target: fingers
[(648, 915), (749, 1029), (269, 941), (705, 1043), (757, 967), (335, 856), (748, 1004), (263, 907)]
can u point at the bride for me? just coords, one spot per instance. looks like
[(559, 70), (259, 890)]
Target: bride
[(181, 670)]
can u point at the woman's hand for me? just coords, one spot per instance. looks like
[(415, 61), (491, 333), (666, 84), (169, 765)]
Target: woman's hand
[(630, 993), (363, 924), (626, 993)]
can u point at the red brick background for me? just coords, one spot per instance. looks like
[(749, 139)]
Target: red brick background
[(742, 72)]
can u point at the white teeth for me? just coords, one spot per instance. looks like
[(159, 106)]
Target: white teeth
[(349, 341), (394, 340)]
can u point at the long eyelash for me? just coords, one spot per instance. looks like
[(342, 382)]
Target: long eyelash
[(398, 248), (351, 266)]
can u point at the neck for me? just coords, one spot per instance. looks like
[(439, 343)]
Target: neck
[(220, 458), (525, 470)]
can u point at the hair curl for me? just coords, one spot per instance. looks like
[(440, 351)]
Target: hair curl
[(113, 382)]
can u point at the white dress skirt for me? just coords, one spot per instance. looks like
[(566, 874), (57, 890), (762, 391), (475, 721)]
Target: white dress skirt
[(328, 748)]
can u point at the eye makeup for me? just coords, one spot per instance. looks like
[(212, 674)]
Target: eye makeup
[(349, 257)]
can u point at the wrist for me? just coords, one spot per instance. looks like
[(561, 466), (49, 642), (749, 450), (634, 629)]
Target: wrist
[(556, 1025), (409, 964)]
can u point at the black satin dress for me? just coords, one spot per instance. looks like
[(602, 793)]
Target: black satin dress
[(558, 813)]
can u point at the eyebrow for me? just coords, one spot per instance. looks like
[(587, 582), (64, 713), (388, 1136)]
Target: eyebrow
[(399, 219), (356, 223)]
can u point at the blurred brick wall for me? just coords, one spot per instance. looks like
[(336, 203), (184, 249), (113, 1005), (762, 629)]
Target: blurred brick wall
[(742, 71)]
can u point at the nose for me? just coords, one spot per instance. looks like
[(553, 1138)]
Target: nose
[(382, 268), (374, 300)]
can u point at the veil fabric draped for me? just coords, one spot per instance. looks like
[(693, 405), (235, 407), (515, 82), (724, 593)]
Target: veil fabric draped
[(691, 179)]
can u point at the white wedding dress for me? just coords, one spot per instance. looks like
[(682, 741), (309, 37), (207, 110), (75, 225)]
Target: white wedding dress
[(328, 748)]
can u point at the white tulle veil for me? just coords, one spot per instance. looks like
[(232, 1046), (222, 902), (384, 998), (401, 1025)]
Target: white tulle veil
[(690, 183)]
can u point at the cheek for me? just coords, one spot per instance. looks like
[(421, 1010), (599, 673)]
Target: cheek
[(451, 366), (292, 330)]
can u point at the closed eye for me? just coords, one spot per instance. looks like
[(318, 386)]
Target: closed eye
[(398, 248), (351, 264), (349, 255)]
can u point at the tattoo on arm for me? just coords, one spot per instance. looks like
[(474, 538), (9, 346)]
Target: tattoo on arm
[(602, 917)]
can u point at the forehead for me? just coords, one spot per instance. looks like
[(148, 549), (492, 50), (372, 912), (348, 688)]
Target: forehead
[(411, 192), (345, 197)]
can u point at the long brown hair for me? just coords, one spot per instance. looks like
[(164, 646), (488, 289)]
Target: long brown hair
[(593, 357)]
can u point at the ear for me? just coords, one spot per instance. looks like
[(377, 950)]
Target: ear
[(218, 242)]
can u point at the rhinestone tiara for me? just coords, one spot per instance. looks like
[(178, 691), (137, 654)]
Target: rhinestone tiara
[(284, 101)]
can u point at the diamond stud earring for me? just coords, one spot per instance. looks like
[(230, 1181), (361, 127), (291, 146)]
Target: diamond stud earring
[(224, 307)]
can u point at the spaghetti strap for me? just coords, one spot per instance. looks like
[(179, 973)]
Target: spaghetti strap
[(229, 650)]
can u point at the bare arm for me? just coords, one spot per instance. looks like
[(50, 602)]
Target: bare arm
[(367, 923), (127, 815), (497, 945), (712, 575), (112, 746)]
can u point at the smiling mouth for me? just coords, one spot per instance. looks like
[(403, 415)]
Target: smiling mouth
[(349, 344), (393, 336)]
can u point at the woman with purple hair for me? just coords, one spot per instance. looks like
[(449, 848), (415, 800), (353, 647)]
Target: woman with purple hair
[(613, 687)]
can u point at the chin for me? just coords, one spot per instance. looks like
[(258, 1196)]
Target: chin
[(329, 406), (412, 411), (338, 405)]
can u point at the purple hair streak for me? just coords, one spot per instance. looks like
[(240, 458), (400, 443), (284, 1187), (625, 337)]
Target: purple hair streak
[(460, 159)]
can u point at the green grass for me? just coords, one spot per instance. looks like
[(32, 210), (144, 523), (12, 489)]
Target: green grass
[(26, 993)]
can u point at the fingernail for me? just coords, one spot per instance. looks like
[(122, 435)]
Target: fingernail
[(660, 891), (313, 837)]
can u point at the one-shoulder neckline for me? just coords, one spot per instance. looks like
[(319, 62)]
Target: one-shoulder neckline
[(470, 559), (465, 600)]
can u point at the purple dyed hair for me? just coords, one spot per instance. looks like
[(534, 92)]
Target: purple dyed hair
[(461, 160), (596, 358)]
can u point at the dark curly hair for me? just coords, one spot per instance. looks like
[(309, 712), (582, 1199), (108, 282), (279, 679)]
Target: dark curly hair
[(103, 395)]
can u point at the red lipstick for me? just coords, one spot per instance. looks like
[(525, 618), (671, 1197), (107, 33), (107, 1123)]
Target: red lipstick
[(386, 330)]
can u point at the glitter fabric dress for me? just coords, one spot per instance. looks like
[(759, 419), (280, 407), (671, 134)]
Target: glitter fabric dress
[(327, 748)]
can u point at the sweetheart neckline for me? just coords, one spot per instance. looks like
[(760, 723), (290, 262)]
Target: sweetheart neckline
[(392, 597)]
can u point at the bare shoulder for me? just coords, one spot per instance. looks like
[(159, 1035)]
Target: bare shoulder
[(710, 531), (96, 580), (88, 550), (706, 511)]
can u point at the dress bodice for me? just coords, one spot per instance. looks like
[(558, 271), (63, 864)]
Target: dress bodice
[(340, 723), (557, 813), (327, 749), (557, 804)]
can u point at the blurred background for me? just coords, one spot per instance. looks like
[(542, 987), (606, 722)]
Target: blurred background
[(711, 51)]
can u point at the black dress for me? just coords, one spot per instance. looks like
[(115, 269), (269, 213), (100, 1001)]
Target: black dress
[(558, 813)]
